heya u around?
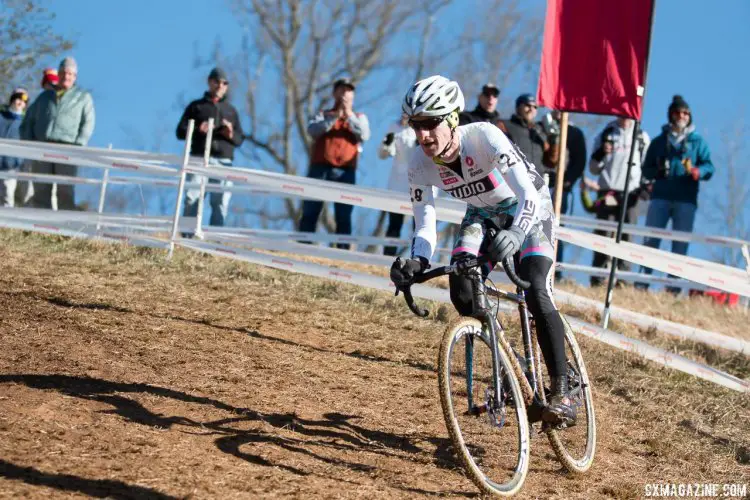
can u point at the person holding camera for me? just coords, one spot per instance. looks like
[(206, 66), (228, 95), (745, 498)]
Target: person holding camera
[(610, 162), (677, 161), (397, 144), (227, 135), (338, 134)]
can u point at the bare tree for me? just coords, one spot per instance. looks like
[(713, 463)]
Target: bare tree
[(25, 40), (732, 199)]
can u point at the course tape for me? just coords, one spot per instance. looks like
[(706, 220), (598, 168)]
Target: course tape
[(574, 221), (679, 330), (166, 164), (614, 339), (675, 329)]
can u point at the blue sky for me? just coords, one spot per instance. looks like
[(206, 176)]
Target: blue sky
[(138, 58)]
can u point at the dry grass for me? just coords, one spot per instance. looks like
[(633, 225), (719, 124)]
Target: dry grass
[(124, 375)]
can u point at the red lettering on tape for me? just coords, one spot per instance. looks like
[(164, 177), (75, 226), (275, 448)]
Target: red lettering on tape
[(125, 165), (674, 268), (293, 188), (600, 245), (282, 262), (340, 275), (225, 250), (636, 256), (57, 157), (44, 226), (352, 198), (716, 280), (236, 178)]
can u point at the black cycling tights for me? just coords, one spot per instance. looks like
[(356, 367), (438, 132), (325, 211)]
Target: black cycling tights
[(549, 325)]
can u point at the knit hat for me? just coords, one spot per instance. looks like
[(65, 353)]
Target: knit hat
[(50, 76), (218, 74), (678, 103), (19, 93), (69, 63)]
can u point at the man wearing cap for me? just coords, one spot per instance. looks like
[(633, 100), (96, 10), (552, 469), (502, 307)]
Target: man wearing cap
[(10, 128), (64, 115), (227, 135), (528, 135), (337, 135), (676, 162), (50, 79), (485, 110)]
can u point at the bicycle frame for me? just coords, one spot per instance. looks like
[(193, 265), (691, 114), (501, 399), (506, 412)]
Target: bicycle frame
[(483, 312)]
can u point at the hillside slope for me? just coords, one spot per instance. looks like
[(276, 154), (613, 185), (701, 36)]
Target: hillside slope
[(125, 375)]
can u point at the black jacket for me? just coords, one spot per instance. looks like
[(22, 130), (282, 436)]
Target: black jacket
[(529, 140), (201, 110), (478, 115), (577, 160)]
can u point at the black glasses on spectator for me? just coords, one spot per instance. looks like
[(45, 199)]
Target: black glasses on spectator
[(426, 123), (222, 82)]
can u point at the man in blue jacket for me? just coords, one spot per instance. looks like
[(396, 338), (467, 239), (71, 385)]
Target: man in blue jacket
[(677, 161), (10, 128)]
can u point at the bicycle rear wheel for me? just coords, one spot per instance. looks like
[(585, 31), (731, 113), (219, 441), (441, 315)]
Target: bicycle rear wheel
[(490, 437), (574, 446)]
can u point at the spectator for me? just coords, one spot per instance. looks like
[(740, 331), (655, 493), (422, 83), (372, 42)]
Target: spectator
[(528, 135), (63, 116), (575, 163), (397, 143), (485, 110), (50, 80), (610, 161), (25, 189), (10, 128), (337, 134), (227, 135), (677, 161)]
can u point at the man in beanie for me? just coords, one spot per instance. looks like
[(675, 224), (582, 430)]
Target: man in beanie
[(64, 115), (10, 128), (676, 162), (227, 135), (528, 135), (337, 135)]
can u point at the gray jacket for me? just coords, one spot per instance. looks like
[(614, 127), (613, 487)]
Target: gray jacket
[(613, 167), (68, 119)]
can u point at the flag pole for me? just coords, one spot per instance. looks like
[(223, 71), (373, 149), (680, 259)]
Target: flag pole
[(624, 205), (560, 174)]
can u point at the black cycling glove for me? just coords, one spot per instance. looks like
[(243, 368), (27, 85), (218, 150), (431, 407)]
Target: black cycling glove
[(403, 271)]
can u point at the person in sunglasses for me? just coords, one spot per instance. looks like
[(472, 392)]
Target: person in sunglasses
[(485, 110), (478, 164), (527, 133)]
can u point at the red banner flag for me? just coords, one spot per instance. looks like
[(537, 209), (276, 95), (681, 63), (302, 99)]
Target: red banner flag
[(594, 56)]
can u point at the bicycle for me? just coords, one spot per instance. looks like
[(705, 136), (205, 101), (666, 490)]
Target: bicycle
[(487, 373)]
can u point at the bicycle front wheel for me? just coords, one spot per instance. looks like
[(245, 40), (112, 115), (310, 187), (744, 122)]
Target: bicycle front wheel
[(490, 435)]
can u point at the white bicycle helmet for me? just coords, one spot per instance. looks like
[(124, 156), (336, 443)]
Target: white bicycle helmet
[(433, 96)]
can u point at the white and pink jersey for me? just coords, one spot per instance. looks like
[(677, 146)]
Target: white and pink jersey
[(494, 175)]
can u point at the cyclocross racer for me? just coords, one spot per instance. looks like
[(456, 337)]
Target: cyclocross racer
[(478, 164)]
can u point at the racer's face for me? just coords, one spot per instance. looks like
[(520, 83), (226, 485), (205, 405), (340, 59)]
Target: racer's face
[(433, 134)]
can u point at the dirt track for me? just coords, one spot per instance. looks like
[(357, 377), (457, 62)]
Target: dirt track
[(125, 376)]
